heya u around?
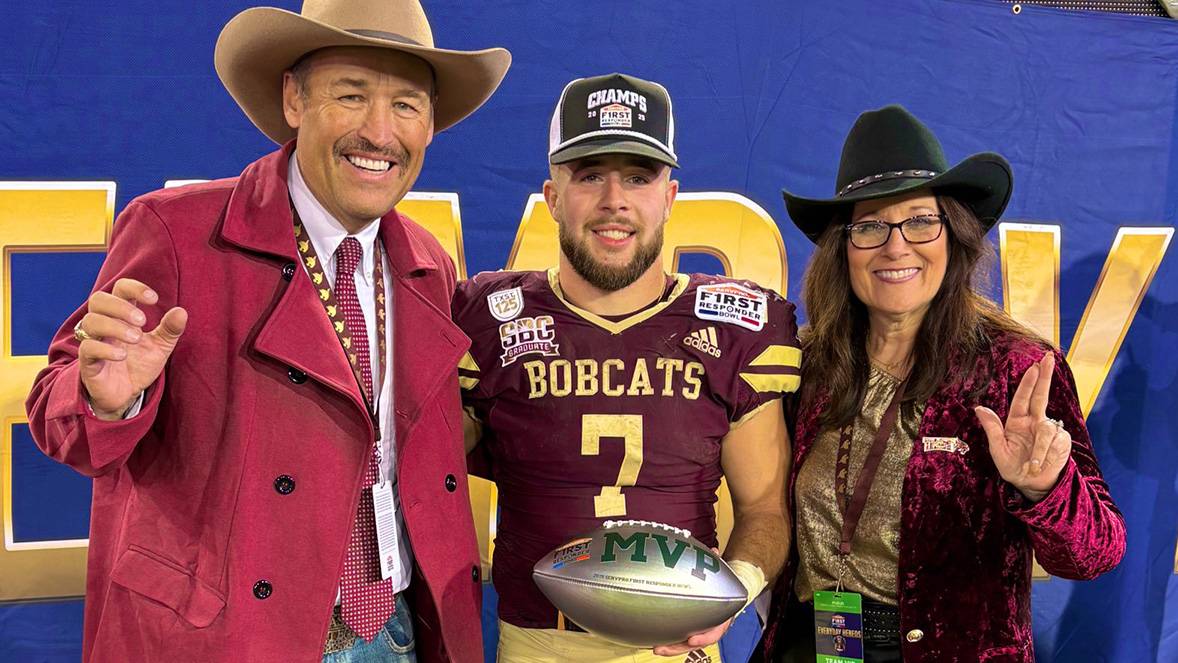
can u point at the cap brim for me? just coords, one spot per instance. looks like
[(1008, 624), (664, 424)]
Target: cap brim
[(259, 44), (610, 145), (983, 182)]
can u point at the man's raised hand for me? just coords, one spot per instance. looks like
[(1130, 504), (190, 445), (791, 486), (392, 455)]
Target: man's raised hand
[(118, 359)]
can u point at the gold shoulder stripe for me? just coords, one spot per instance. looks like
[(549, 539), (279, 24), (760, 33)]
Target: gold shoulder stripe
[(779, 355), (467, 383), (772, 382), (467, 362)]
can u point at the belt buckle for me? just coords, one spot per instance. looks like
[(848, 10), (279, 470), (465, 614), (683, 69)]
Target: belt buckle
[(340, 636)]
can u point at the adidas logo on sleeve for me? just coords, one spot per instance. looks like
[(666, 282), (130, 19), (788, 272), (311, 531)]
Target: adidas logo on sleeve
[(704, 340)]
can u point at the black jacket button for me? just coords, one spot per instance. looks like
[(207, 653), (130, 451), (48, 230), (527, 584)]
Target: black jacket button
[(474, 573), (451, 483), (284, 484), (263, 589), (296, 376), (288, 271)]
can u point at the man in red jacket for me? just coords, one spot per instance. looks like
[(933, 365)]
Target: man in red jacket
[(263, 382)]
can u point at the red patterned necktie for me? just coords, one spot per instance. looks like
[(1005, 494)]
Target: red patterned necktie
[(366, 601)]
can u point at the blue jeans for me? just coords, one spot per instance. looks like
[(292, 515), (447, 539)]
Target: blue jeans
[(392, 644)]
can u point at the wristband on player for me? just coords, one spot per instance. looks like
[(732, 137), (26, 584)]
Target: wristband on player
[(751, 576)]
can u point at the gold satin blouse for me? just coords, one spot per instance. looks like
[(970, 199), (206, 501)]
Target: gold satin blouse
[(875, 549)]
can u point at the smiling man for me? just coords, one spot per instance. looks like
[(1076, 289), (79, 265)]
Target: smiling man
[(607, 388), (263, 382)]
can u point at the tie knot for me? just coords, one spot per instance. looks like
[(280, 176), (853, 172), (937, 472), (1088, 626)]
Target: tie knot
[(347, 256)]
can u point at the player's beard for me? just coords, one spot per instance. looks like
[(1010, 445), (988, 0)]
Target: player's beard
[(605, 277)]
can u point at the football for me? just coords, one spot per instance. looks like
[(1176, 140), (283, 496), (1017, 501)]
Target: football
[(640, 583)]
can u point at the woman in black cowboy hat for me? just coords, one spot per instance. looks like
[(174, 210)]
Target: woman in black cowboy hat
[(938, 443)]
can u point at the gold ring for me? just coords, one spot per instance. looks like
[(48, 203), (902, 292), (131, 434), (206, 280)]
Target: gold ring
[(80, 334)]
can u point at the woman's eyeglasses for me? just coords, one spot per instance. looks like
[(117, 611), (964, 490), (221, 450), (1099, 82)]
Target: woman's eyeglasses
[(874, 233)]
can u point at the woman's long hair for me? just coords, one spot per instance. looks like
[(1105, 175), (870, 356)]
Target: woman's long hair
[(956, 327)]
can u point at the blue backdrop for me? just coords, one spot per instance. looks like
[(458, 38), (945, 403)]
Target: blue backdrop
[(1083, 105)]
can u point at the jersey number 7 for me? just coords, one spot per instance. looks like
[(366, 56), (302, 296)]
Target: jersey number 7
[(610, 501)]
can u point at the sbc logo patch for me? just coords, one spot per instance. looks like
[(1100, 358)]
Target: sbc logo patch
[(526, 336)]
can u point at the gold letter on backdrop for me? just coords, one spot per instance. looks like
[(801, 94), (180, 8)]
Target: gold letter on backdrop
[(1030, 255), (40, 217)]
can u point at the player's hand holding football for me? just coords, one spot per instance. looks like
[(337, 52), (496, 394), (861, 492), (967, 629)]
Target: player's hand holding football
[(695, 641), (118, 359), (1030, 450)]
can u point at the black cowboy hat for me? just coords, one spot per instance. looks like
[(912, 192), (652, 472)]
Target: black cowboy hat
[(889, 152)]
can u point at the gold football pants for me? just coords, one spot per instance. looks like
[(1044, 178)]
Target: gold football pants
[(548, 645)]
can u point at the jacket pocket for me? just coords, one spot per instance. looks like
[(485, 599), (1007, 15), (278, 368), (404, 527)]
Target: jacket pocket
[(161, 580)]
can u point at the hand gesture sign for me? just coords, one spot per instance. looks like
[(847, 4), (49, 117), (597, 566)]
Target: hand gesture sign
[(118, 360), (1030, 450)]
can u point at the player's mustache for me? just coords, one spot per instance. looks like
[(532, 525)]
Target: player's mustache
[(611, 221), (392, 152)]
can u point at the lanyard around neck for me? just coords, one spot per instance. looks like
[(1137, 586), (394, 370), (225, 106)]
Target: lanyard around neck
[(852, 506), (335, 314)]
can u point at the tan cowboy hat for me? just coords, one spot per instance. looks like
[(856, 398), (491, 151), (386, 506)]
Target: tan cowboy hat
[(259, 44)]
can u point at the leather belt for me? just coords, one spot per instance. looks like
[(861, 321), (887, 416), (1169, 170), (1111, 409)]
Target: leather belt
[(881, 622), (340, 636)]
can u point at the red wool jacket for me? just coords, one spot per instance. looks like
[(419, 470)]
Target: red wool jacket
[(186, 519)]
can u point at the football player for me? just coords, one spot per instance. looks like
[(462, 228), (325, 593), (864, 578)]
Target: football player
[(608, 389)]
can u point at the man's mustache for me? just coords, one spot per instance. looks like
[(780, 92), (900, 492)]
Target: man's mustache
[(393, 152)]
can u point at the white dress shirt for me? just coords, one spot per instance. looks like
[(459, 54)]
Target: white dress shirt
[(326, 233)]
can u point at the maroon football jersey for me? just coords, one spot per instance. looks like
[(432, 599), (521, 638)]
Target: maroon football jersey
[(588, 419)]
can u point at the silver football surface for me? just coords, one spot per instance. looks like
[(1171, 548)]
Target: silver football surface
[(640, 583)]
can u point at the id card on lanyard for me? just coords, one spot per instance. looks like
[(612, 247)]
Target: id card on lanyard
[(383, 500), (838, 627), (838, 615)]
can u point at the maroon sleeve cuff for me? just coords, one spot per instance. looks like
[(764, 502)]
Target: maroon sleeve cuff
[(1040, 513), (108, 443)]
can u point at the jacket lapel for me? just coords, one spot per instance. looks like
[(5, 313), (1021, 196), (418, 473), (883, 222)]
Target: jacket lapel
[(806, 429), (427, 343), (295, 331)]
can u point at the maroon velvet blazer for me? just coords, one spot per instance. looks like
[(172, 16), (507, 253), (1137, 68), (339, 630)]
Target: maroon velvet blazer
[(967, 536)]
